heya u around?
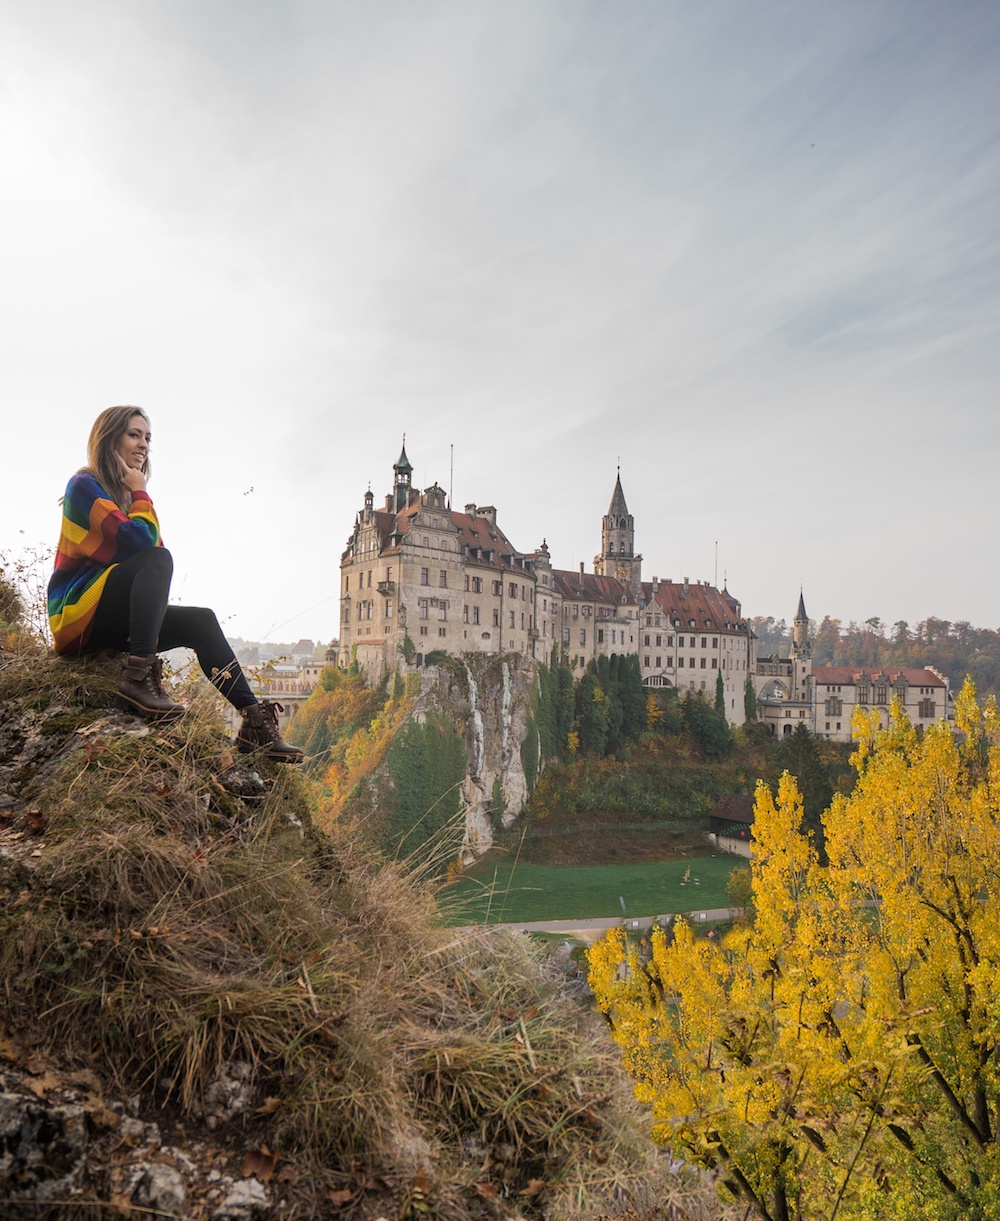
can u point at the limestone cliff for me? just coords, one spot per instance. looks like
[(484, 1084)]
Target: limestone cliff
[(488, 699)]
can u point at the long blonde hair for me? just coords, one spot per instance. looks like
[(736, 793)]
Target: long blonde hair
[(102, 460)]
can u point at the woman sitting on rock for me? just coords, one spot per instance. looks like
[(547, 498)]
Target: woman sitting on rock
[(112, 578)]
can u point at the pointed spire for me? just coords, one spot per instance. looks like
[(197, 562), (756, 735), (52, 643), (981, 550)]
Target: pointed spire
[(403, 464), (618, 507), (801, 612)]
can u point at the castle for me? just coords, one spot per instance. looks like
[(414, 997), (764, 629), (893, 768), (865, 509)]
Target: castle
[(793, 690), (418, 577)]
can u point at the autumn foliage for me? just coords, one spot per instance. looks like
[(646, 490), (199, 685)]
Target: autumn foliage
[(840, 1058)]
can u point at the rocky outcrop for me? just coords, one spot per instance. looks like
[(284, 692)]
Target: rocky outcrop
[(488, 698)]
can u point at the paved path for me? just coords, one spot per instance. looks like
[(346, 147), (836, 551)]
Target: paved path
[(591, 930)]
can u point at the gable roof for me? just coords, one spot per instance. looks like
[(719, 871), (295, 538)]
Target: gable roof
[(848, 676), (710, 608), (589, 587)]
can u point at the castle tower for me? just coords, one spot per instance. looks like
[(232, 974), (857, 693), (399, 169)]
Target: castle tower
[(801, 657), (617, 557), (801, 648), (402, 484)]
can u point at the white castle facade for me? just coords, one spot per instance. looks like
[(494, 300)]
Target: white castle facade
[(418, 576)]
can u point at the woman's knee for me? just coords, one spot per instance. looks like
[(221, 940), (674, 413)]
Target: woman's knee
[(160, 559)]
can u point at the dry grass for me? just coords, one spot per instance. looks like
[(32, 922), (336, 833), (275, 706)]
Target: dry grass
[(165, 928)]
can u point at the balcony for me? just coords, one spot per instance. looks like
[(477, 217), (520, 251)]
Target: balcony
[(385, 588)]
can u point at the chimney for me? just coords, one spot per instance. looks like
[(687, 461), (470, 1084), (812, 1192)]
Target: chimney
[(656, 586), (471, 510), (581, 568), (687, 585)]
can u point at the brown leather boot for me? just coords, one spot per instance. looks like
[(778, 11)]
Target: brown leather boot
[(259, 731), (142, 690)]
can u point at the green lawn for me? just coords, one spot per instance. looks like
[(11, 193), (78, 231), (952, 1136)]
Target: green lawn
[(489, 894)]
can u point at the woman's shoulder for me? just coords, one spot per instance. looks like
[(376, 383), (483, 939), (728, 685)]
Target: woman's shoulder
[(82, 483)]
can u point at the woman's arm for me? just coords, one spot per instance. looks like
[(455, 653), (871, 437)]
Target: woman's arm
[(96, 526)]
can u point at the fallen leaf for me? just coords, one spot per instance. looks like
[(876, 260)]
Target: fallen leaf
[(85, 1076), (269, 1106), (164, 790), (42, 1086), (534, 1187), (260, 1164), (35, 821), (287, 1174), (339, 1198), (226, 760), (485, 1190)]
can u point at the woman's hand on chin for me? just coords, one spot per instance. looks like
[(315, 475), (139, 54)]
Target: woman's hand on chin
[(133, 479)]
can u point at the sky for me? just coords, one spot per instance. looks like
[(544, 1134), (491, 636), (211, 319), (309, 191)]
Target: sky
[(749, 253)]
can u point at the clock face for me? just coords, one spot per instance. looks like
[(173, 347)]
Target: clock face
[(622, 572)]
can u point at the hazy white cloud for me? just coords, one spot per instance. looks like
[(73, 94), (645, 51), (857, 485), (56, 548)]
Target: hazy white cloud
[(751, 252)]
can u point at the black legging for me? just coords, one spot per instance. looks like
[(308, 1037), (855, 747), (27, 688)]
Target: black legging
[(133, 615)]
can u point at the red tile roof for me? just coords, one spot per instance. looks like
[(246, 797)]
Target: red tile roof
[(848, 676), (473, 532), (710, 608), (588, 587)]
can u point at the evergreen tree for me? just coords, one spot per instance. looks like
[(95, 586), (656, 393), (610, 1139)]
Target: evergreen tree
[(720, 694), (633, 698), (708, 728), (591, 713), (749, 700)]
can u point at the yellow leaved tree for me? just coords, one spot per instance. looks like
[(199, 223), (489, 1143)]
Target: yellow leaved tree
[(840, 1058)]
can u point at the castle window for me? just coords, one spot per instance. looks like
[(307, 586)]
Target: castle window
[(715, 663), (443, 578), (422, 608), (657, 663), (425, 576), (442, 631), (926, 709), (703, 660), (425, 540), (511, 613), (498, 589), (511, 590), (388, 610), (680, 663), (583, 635), (600, 635), (659, 641), (645, 641), (715, 642), (670, 642), (704, 642), (645, 663), (880, 694), (423, 631), (834, 707), (496, 618), (475, 614), (443, 610)]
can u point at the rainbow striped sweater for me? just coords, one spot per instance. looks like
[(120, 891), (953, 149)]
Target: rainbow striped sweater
[(96, 535)]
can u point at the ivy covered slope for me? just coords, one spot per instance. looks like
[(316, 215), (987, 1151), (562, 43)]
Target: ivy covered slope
[(203, 989)]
